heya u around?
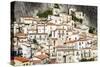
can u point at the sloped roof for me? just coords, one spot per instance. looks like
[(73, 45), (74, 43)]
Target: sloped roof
[(21, 59)]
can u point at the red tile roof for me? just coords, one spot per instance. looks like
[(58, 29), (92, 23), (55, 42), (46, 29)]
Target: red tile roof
[(20, 34), (21, 59), (42, 56)]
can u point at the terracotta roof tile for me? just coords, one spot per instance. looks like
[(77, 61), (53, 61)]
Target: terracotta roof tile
[(20, 34), (42, 56), (21, 59)]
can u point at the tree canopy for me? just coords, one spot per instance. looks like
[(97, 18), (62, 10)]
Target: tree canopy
[(77, 19), (91, 30), (35, 41), (45, 13)]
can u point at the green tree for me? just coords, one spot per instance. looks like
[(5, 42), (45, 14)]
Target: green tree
[(35, 41), (50, 34), (75, 18), (91, 30), (45, 13)]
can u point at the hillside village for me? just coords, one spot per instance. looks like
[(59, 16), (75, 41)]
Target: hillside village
[(58, 37)]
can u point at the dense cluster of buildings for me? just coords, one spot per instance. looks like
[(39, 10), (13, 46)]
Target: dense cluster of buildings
[(55, 39)]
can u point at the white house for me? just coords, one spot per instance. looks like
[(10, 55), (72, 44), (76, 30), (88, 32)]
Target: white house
[(26, 49), (64, 55), (40, 37), (27, 19)]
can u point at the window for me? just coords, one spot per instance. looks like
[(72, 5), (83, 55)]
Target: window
[(40, 37), (77, 54), (87, 42), (26, 64), (35, 37), (80, 14), (89, 53), (79, 43), (69, 38), (66, 33), (75, 38), (82, 42), (90, 42), (70, 58), (54, 33)]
